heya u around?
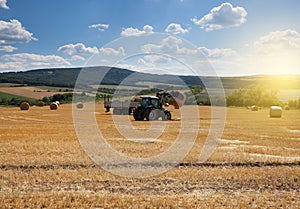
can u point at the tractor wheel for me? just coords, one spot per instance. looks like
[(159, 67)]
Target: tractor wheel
[(138, 115), (151, 115), (166, 116)]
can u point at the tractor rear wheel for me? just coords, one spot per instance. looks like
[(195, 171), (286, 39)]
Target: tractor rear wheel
[(138, 115), (151, 115)]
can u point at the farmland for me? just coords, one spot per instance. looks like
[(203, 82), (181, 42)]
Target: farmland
[(256, 163), (37, 92)]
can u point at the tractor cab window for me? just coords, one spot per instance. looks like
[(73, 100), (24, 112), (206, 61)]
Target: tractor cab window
[(154, 102), (145, 102)]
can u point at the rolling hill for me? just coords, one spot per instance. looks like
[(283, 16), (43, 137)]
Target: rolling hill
[(66, 77)]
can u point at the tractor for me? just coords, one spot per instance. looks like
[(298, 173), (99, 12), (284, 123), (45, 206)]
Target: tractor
[(151, 107)]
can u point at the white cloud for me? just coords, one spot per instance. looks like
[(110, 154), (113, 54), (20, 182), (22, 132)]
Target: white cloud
[(278, 40), (217, 52), (13, 31), (157, 58), (100, 27), (113, 52), (25, 61), (169, 45), (78, 49), (175, 28), (77, 57), (277, 52), (3, 4), (7, 48), (223, 16), (147, 29)]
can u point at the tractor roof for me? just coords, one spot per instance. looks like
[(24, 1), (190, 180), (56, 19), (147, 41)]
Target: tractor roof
[(152, 97)]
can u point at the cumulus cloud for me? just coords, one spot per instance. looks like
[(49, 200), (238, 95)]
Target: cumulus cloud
[(78, 49), (100, 27), (77, 57), (175, 28), (217, 52), (113, 52), (278, 40), (7, 48), (3, 4), (147, 29), (24, 61), (223, 16), (14, 32), (169, 45)]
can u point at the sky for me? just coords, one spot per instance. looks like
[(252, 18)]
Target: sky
[(235, 37)]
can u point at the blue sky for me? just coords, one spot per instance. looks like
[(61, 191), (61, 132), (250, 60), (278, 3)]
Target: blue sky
[(237, 37)]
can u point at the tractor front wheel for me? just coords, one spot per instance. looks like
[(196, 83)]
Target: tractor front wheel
[(166, 116)]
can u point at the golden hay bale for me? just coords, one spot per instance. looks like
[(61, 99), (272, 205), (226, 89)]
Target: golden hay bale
[(53, 106), (24, 106), (174, 103), (41, 104), (286, 107), (79, 105), (254, 108), (275, 112), (177, 99)]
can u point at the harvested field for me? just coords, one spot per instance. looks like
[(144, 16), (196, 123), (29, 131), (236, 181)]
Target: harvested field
[(256, 163), (29, 91)]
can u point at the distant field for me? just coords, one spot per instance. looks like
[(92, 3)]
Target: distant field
[(289, 94), (283, 95), (256, 163), (31, 91), (8, 97), (8, 84)]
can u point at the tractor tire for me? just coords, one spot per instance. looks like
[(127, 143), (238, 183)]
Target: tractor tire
[(138, 115), (152, 115), (166, 116)]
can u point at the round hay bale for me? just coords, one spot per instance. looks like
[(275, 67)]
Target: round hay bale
[(57, 102), (24, 106), (79, 105), (53, 106), (286, 107), (41, 104), (275, 112), (254, 108)]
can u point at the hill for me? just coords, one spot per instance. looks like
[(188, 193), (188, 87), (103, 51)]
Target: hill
[(66, 77)]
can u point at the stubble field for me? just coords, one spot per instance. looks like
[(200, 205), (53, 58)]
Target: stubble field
[(256, 163)]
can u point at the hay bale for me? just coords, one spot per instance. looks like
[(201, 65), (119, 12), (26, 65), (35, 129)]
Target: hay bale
[(275, 112), (57, 102), (177, 99), (79, 105), (53, 106), (41, 104), (254, 108), (286, 107), (24, 106), (174, 103)]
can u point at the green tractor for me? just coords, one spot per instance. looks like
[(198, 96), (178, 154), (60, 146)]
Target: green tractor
[(151, 107)]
